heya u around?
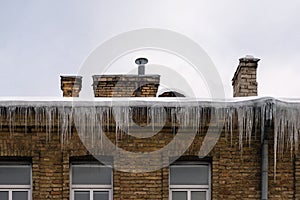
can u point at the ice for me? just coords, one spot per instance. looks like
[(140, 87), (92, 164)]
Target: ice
[(46, 114)]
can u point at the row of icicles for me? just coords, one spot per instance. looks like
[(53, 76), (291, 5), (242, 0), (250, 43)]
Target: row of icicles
[(250, 115)]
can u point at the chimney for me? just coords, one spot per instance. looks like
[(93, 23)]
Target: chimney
[(127, 85), (244, 79), (71, 85), (141, 62)]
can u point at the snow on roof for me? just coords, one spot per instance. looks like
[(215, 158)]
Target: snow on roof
[(141, 101)]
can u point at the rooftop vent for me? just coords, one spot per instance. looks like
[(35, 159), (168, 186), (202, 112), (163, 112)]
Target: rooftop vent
[(141, 63)]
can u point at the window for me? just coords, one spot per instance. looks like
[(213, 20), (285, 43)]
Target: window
[(190, 181), (15, 181), (91, 182)]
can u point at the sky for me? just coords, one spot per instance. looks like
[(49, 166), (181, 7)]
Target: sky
[(40, 40)]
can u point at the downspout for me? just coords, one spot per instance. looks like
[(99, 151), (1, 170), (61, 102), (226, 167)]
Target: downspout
[(265, 153)]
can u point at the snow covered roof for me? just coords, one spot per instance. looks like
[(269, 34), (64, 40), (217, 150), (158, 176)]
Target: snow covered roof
[(142, 101)]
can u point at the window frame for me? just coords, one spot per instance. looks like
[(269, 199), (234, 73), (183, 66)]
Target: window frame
[(190, 188), (10, 188), (90, 187)]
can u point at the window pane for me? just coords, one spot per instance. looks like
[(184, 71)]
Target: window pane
[(179, 195), (15, 175), (20, 195), (101, 195), (199, 195), (189, 175), (3, 195), (91, 175), (82, 195)]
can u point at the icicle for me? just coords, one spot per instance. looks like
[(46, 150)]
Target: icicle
[(241, 122), (173, 120), (48, 111), (262, 120), (257, 121), (152, 116), (197, 112), (99, 121), (25, 118), (2, 114), (121, 116), (11, 119), (227, 123), (230, 123), (65, 118), (249, 123)]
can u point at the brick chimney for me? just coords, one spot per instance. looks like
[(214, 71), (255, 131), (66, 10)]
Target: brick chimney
[(71, 85), (244, 80), (129, 85), (125, 85)]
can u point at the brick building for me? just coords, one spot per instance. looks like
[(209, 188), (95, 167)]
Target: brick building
[(45, 154)]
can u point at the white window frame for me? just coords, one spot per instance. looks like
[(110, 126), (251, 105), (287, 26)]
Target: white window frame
[(89, 187), (17, 188), (191, 188)]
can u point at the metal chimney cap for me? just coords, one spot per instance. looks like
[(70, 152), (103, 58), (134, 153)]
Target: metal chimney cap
[(141, 61), (249, 57)]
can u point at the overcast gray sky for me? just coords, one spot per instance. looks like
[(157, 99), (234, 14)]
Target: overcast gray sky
[(41, 39)]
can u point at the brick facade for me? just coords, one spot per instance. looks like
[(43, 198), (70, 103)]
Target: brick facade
[(235, 174)]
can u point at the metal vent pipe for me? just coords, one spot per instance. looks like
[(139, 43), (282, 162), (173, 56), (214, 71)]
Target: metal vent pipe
[(141, 62)]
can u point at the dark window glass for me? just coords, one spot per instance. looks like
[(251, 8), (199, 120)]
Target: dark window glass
[(3, 195), (82, 195), (91, 175), (198, 195), (179, 195), (101, 195), (189, 175), (19, 195), (15, 175)]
